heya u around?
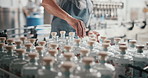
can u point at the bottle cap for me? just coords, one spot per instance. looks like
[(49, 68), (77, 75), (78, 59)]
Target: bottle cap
[(117, 39), (133, 41), (39, 48), (140, 46), (77, 40), (23, 38), (53, 52), (53, 45), (32, 40), (90, 43), (93, 39), (105, 45), (2, 38), (20, 51), (122, 47), (9, 47), (68, 55), (28, 45), (107, 41), (84, 51), (10, 40), (48, 60), (71, 33), (42, 43), (54, 33), (18, 42), (67, 47), (103, 37), (68, 65), (2, 44), (88, 60), (103, 55), (32, 55), (122, 43), (62, 32)]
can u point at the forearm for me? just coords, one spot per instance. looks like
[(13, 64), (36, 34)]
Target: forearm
[(52, 7)]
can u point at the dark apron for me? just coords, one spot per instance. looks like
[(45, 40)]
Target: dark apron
[(76, 9)]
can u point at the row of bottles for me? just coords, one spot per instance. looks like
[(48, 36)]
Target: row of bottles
[(68, 57)]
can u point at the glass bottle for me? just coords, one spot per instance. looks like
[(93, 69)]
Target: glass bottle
[(28, 47), (139, 61), (62, 33), (84, 53), (57, 59), (54, 36), (77, 47), (70, 57), (39, 50), (117, 41), (7, 59), (18, 44), (67, 70), (17, 64), (33, 40), (10, 41), (30, 70), (42, 43), (23, 39), (67, 48), (47, 70), (121, 64), (2, 39), (106, 70), (132, 47), (102, 38), (93, 51), (2, 53), (86, 70), (71, 37)]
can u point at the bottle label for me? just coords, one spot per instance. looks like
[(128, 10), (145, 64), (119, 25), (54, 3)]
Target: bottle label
[(137, 73), (123, 70)]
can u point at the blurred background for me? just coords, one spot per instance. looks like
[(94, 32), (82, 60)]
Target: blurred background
[(113, 18)]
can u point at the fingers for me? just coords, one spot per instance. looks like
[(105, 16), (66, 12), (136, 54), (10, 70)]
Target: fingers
[(83, 28)]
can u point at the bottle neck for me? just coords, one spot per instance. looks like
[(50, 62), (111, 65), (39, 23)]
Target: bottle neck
[(10, 52), (3, 41), (33, 61), (87, 66), (21, 56), (123, 52), (10, 43), (48, 67), (102, 61), (140, 50), (40, 53), (67, 73), (63, 36), (105, 49), (91, 47), (28, 49), (1, 49), (132, 45), (18, 46)]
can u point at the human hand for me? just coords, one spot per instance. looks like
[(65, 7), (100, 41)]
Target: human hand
[(78, 25)]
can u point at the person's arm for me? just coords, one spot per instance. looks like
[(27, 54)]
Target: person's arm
[(53, 8)]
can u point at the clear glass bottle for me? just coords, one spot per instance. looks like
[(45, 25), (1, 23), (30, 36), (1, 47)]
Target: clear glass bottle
[(10, 41), (121, 64), (42, 43), (18, 44), (7, 59), (93, 51), (2, 39), (132, 47), (102, 38), (2, 53), (17, 64), (47, 70), (139, 61), (83, 53), (33, 40), (106, 70), (28, 47), (86, 70), (67, 70), (24, 40), (30, 70), (71, 37), (54, 37), (39, 50), (67, 48), (77, 47)]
